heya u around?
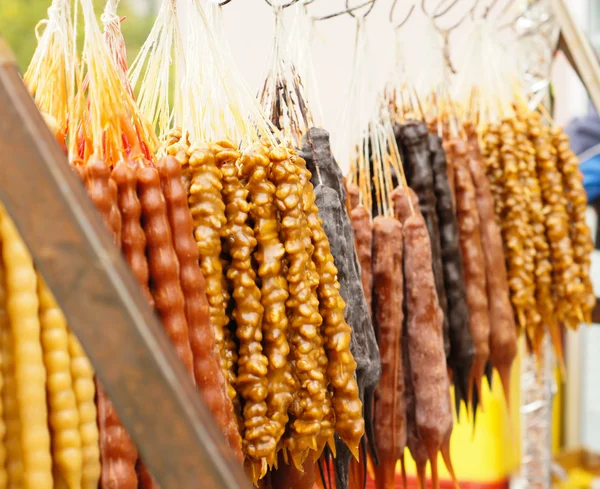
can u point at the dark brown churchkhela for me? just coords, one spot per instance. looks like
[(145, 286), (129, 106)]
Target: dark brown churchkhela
[(207, 363), (390, 413), (331, 201), (503, 331), (461, 342), (419, 175), (239, 242), (433, 413)]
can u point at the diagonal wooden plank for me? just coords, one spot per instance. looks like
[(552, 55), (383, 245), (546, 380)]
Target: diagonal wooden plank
[(578, 50), (158, 404)]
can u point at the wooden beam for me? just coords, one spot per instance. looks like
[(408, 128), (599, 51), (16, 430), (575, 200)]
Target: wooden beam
[(578, 50), (174, 431)]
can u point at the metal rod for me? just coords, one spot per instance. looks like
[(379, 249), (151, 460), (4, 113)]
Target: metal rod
[(346, 11), (405, 20), (285, 5), (351, 10), (158, 404)]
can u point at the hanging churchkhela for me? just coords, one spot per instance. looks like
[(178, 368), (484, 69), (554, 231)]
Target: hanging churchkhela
[(546, 242), (289, 110), (271, 280), (321, 319)]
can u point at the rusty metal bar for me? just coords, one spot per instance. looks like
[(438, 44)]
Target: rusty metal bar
[(133, 358)]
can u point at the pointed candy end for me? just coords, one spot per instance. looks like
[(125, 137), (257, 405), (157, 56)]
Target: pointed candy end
[(354, 451), (298, 460), (448, 462), (331, 444), (422, 475), (403, 471)]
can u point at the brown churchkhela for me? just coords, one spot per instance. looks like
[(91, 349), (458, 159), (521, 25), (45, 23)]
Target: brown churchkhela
[(388, 318), (163, 265), (269, 255), (207, 366), (117, 452), (503, 331), (239, 242), (133, 239), (414, 442), (460, 360), (133, 246), (353, 200), (164, 275), (363, 237), (474, 268), (419, 174), (433, 411)]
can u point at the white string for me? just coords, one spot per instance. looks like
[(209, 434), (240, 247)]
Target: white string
[(110, 13)]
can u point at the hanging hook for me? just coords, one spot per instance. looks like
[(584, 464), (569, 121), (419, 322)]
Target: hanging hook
[(351, 10), (282, 6), (439, 11), (346, 10), (403, 23), (220, 3)]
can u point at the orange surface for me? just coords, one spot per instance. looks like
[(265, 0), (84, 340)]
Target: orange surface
[(412, 484)]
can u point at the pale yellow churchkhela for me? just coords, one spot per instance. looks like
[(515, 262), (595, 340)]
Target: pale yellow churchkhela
[(30, 373), (63, 413), (85, 393)]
